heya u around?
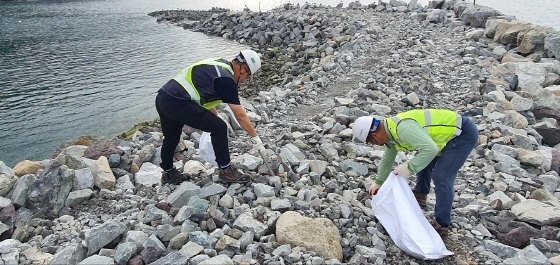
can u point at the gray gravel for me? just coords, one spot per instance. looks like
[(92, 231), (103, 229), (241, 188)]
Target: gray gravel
[(101, 201)]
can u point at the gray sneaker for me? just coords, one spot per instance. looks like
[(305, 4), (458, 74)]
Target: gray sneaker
[(232, 175)]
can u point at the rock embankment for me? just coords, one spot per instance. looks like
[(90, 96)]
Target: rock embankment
[(103, 202)]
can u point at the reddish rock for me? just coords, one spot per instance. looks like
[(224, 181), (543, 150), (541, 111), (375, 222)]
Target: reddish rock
[(8, 217), (136, 260), (163, 206), (517, 238), (496, 204), (150, 254), (547, 113), (102, 149), (219, 221), (508, 227)]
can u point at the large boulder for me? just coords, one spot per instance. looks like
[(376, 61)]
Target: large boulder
[(506, 32), (552, 45), (491, 26), (551, 136), (476, 15), (319, 235), (531, 38), (49, 193), (536, 212)]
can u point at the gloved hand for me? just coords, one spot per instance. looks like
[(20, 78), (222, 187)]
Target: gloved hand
[(402, 170), (257, 143), (373, 189)]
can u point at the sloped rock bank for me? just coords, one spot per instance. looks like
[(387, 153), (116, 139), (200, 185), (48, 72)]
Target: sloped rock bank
[(102, 202)]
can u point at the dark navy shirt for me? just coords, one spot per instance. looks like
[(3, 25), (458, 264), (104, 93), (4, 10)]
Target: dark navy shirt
[(221, 88)]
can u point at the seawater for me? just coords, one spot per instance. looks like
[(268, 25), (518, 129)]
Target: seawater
[(73, 68), (542, 12)]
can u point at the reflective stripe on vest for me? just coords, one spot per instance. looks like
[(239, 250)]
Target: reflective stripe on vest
[(441, 126), (185, 76)]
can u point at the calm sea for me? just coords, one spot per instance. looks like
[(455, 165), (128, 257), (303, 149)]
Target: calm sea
[(73, 68)]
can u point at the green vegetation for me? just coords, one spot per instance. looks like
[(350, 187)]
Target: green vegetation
[(143, 126)]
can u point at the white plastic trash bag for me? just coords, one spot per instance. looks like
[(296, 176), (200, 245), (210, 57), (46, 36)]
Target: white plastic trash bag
[(206, 150), (397, 210)]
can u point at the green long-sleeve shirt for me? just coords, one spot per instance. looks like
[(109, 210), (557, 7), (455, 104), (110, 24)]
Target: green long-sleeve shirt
[(409, 132)]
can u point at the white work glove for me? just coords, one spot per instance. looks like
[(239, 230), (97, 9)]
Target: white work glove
[(373, 189), (402, 170), (257, 144)]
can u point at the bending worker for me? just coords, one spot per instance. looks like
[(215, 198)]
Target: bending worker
[(191, 99), (443, 141)]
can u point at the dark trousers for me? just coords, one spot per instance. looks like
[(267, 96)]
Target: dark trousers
[(443, 171), (175, 113)]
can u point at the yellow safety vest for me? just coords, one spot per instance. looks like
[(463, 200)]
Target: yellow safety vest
[(185, 79), (441, 125)]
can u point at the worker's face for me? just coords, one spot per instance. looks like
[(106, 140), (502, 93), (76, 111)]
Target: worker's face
[(242, 72), (378, 137)]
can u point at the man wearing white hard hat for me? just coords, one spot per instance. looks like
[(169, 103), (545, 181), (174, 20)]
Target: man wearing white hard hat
[(443, 140), (191, 98)]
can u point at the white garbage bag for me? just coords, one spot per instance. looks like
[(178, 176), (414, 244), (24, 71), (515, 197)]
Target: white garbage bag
[(397, 210), (206, 150)]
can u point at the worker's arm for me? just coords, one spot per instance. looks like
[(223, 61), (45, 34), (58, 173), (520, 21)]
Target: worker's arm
[(386, 164), (213, 110), (410, 132), (243, 119)]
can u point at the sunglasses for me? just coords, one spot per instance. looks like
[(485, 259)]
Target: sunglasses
[(373, 127)]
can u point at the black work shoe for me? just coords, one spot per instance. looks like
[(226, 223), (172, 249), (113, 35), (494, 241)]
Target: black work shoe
[(443, 231), (232, 175), (421, 198), (173, 176)]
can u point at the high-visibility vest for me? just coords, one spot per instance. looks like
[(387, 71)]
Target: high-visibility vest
[(184, 78), (441, 126)]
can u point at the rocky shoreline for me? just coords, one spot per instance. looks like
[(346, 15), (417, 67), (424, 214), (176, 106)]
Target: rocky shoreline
[(102, 202)]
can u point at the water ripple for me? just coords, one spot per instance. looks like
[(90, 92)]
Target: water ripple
[(78, 68)]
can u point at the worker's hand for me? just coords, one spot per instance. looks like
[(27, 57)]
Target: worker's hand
[(257, 143), (373, 189), (402, 170)]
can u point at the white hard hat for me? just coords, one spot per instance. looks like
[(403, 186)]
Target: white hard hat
[(252, 60), (363, 126)]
